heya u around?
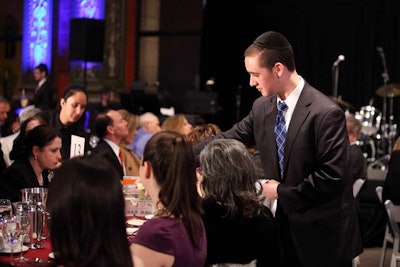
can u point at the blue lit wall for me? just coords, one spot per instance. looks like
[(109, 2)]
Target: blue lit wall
[(37, 34)]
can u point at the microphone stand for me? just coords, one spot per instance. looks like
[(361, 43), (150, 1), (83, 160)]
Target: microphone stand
[(335, 78), (385, 77)]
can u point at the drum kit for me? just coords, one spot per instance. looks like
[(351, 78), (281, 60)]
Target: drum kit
[(377, 135)]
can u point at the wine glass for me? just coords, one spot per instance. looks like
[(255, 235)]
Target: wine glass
[(11, 230), (5, 207), (25, 233)]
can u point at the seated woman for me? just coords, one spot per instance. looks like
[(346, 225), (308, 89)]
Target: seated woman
[(86, 207), (177, 123), (175, 236), (42, 147), (202, 132), (18, 147), (239, 228)]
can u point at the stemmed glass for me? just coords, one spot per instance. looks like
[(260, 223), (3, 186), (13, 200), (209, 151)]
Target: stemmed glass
[(25, 234), (5, 207), (11, 230)]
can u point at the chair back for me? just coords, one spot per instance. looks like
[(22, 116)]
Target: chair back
[(378, 191), (357, 186), (393, 212)]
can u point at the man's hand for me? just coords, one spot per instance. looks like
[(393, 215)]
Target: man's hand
[(270, 189)]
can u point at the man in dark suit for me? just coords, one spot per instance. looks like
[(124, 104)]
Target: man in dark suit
[(316, 211), (43, 96), (111, 128)]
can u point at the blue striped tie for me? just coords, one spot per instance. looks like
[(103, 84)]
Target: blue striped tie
[(280, 133)]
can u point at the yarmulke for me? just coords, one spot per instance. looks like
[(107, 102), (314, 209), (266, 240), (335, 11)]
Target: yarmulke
[(272, 40)]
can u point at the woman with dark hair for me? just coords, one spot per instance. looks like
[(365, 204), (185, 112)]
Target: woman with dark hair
[(175, 236), (30, 123), (239, 228), (42, 147), (86, 207), (69, 117)]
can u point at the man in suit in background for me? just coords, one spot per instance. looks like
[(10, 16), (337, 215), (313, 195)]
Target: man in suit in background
[(111, 128), (316, 211), (43, 96)]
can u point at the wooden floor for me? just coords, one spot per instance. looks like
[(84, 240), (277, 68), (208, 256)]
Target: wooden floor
[(371, 256)]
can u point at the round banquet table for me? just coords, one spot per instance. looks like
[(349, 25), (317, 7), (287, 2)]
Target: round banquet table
[(31, 254)]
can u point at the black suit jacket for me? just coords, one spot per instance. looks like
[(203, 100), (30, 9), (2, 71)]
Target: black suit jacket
[(104, 150), (315, 201), (391, 186), (44, 97)]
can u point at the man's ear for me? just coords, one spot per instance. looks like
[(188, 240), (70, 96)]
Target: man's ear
[(110, 129)]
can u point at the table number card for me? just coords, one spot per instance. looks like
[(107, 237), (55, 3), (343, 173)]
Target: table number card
[(77, 146)]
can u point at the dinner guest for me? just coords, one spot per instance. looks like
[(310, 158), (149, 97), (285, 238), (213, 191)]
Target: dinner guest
[(86, 207), (42, 147), (131, 161), (149, 124), (111, 128), (239, 228), (18, 145), (177, 123), (203, 131), (175, 236)]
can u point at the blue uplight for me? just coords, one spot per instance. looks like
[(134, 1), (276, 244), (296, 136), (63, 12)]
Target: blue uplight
[(91, 9), (37, 34)]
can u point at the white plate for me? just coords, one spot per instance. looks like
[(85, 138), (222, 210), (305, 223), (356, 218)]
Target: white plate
[(7, 249), (131, 230), (135, 222), (51, 255), (149, 216)]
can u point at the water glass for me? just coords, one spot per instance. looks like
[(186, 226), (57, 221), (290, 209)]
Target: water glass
[(5, 208), (11, 230)]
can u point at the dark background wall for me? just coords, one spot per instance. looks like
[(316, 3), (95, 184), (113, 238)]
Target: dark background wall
[(319, 32)]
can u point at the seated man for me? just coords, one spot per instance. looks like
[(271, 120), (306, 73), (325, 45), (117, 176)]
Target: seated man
[(149, 124), (111, 128)]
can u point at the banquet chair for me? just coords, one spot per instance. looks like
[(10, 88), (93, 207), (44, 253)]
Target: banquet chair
[(357, 185), (388, 237), (393, 212)]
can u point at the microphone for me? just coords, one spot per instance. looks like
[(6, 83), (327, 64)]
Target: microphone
[(385, 73), (338, 60)]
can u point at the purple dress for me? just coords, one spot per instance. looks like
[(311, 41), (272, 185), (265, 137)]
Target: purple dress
[(166, 236)]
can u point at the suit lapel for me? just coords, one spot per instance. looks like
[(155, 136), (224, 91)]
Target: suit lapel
[(300, 114)]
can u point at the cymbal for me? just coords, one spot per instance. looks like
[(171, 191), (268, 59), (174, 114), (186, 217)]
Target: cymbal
[(341, 102), (390, 90)]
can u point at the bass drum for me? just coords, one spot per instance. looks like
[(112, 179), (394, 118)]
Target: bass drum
[(370, 118)]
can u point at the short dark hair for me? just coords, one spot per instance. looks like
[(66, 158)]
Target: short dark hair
[(42, 68), (101, 123)]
